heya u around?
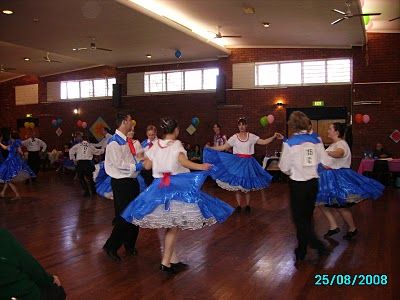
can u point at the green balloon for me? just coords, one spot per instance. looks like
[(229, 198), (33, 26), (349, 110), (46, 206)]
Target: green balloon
[(366, 20), (264, 121)]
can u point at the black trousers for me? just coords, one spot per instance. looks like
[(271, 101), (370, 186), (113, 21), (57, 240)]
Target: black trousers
[(84, 169), (147, 176), (302, 203), (124, 191), (34, 161), (53, 292)]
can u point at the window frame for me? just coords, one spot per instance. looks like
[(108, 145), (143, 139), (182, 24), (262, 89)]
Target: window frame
[(147, 84), (93, 91), (279, 63)]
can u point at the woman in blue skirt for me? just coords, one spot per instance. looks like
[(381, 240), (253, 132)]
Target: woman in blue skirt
[(339, 186), (174, 200), (239, 172), (14, 168)]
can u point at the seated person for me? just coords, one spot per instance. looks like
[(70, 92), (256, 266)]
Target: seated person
[(195, 154), (21, 276), (380, 152)]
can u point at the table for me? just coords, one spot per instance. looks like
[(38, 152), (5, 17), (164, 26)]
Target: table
[(367, 165)]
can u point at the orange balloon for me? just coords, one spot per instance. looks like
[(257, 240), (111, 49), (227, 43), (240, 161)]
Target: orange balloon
[(358, 118)]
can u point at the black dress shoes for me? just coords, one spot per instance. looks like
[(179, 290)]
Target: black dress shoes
[(112, 254), (247, 209), (331, 232), (179, 266), (350, 234), (167, 270)]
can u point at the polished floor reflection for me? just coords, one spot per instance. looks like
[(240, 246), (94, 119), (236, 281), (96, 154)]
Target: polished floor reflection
[(248, 257)]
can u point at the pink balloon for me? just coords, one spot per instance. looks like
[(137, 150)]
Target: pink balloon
[(84, 124), (366, 119), (271, 119)]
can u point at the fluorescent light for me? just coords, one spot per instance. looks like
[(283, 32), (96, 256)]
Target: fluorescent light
[(7, 12), (177, 17)]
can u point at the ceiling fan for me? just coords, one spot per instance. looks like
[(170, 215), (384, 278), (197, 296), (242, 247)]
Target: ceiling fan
[(348, 14), (91, 47), (219, 35), (4, 69), (49, 60)]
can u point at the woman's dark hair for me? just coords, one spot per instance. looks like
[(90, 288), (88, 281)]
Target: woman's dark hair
[(197, 146), (217, 124), (168, 125), (242, 120), (340, 128), (14, 135)]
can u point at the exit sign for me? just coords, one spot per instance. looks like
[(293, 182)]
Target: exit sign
[(318, 103)]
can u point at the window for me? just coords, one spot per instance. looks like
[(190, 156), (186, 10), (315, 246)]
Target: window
[(91, 88), (338, 70), (290, 73), (307, 72), (181, 80), (314, 71), (174, 81)]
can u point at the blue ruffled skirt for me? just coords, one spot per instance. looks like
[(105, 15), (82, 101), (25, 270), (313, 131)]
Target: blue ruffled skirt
[(180, 204), (15, 169), (235, 173), (103, 182), (68, 164), (344, 187)]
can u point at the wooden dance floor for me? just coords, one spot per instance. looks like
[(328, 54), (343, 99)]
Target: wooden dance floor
[(247, 257)]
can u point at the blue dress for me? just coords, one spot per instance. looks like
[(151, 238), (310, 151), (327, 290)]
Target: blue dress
[(103, 182), (178, 203), (344, 187), (14, 168), (234, 173)]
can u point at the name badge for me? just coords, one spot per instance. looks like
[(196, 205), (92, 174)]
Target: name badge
[(309, 158)]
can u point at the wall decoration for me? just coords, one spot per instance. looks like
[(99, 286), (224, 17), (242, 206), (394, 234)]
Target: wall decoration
[(395, 136), (59, 131), (97, 128), (191, 129)]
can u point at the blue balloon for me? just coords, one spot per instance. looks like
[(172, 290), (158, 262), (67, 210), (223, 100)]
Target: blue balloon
[(59, 121), (178, 54), (195, 121)]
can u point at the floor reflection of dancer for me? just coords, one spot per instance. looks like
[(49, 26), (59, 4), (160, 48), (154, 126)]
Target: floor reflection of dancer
[(339, 186), (239, 172), (14, 168), (123, 170), (301, 154), (174, 200)]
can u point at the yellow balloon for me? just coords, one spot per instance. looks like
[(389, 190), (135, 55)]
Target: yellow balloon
[(32, 125), (133, 123), (26, 124)]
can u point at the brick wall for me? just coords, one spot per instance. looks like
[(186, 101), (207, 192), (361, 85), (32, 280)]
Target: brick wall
[(383, 61)]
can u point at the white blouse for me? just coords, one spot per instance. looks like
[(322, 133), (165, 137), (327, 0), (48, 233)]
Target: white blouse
[(243, 146), (164, 156), (337, 163)]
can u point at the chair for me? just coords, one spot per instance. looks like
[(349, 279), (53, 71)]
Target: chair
[(381, 172)]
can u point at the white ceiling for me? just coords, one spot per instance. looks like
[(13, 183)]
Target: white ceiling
[(132, 33)]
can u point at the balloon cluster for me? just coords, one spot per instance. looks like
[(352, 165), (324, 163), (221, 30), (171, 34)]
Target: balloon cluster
[(56, 122), (29, 125), (81, 124), (359, 118), (195, 121), (265, 120)]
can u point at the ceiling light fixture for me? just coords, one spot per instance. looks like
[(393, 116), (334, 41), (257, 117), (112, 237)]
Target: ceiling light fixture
[(266, 24), (148, 55), (7, 12), (74, 49), (27, 59)]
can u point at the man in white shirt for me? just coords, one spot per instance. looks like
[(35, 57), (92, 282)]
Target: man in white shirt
[(301, 154), (34, 146), (82, 155), (123, 168)]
